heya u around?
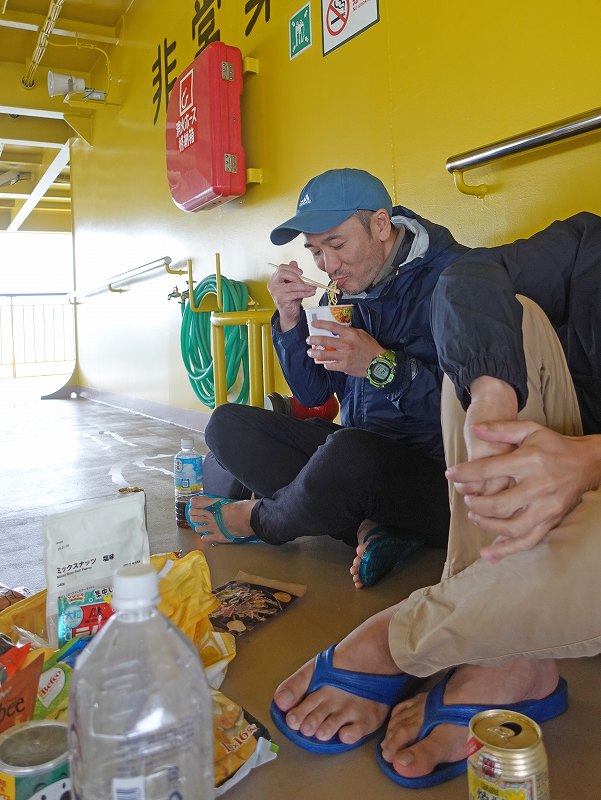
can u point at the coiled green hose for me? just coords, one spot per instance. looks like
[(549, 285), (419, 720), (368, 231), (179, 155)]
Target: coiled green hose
[(195, 341)]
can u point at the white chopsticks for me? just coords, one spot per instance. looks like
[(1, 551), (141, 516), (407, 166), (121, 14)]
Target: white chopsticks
[(305, 280)]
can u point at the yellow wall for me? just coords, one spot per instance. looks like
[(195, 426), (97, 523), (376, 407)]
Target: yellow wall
[(426, 82)]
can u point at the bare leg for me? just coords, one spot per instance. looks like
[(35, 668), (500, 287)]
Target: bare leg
[(518, 680)]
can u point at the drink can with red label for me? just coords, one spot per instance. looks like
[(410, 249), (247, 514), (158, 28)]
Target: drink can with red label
[(506, 758)]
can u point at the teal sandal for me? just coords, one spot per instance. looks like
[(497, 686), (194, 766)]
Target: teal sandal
[(215, 510), (383, 554)]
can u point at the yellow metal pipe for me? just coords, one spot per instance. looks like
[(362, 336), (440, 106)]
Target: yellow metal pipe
[(480, 190), (221, 319), (260, 352), (218, 281), (268, 361), (255, 364), (218, 353)]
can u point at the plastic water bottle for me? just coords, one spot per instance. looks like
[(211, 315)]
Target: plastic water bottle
[(187, 475), (140, 711)]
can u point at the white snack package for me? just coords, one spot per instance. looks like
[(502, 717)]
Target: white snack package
[(83, 547)]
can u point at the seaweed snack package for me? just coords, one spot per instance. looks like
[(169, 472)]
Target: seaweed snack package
[(240, 743), (82, 550), (249, 600)]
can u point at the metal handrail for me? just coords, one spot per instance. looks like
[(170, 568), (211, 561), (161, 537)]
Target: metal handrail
[(538, 137), (123, 277)]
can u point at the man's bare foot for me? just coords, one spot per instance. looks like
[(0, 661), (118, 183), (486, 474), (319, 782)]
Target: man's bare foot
[(235, 516), (470, 684), (328, 711), (366, 526)]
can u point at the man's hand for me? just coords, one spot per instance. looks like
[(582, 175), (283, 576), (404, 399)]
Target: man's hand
[(491, 399), (288, 290), (546, 475), (351, 351)]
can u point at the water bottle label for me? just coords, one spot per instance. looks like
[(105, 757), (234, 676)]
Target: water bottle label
[(188, 474), (128, 789), (150, 753)]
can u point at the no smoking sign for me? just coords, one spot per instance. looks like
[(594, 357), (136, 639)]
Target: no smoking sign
[(337, 16), (344, 19)]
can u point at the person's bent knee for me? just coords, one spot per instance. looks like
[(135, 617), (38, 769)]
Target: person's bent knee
[(224, 421), (343, 445)]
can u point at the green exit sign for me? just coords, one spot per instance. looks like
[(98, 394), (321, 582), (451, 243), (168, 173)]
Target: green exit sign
[(300, 31)]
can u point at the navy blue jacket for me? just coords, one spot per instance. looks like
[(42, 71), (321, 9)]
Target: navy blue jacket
[(476, 319), (397, 314)]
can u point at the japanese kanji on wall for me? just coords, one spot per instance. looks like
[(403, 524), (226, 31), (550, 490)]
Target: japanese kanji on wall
[(204, 27)]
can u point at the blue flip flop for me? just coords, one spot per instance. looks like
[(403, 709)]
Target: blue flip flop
[(386, 689), (383, 554), (215, 510), (437, 712)]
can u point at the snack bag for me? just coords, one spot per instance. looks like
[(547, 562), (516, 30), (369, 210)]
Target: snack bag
[(52, 700), (17, 695), (84, 547), (187, 599), (9, 596), (240, 743), (249, 600), (83, 613), (12, 660)]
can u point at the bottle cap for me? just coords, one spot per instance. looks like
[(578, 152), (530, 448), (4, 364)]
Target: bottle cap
[(135, 586), (187, 443)]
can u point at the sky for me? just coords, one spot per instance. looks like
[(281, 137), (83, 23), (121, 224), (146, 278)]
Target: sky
[(35, 262)]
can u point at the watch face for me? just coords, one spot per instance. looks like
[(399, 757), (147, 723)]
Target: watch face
[(381, 371)]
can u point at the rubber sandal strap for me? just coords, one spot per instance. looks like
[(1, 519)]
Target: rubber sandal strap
[(215, 510), (436, 712), (385, 689), (384, 553)]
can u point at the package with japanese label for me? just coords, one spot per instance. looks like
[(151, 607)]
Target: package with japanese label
[(240, 743), (249, 600), (83, 548)]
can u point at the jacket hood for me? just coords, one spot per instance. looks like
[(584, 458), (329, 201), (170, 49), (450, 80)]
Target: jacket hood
[(430, 239)]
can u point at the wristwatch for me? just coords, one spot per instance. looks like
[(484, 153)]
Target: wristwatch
[(382, 369)]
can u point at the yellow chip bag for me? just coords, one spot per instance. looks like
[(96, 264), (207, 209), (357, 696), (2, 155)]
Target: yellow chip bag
[(240, 742)]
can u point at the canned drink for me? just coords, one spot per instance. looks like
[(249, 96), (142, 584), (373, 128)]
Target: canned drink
[(34, 762), (506, 758)]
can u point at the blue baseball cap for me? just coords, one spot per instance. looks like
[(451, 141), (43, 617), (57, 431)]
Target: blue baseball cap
[(331, 198)]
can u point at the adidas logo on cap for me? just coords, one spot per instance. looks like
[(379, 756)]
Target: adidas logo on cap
[(305, 201)]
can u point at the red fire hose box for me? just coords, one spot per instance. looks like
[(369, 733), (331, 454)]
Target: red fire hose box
[(205, 158)]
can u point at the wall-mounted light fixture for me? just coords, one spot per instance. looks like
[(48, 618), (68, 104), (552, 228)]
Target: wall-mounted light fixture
[(59, 84)]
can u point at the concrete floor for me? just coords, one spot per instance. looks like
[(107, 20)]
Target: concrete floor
[(59, 452)]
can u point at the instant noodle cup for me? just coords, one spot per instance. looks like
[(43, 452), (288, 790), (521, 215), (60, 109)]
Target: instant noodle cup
[(343, 315)]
